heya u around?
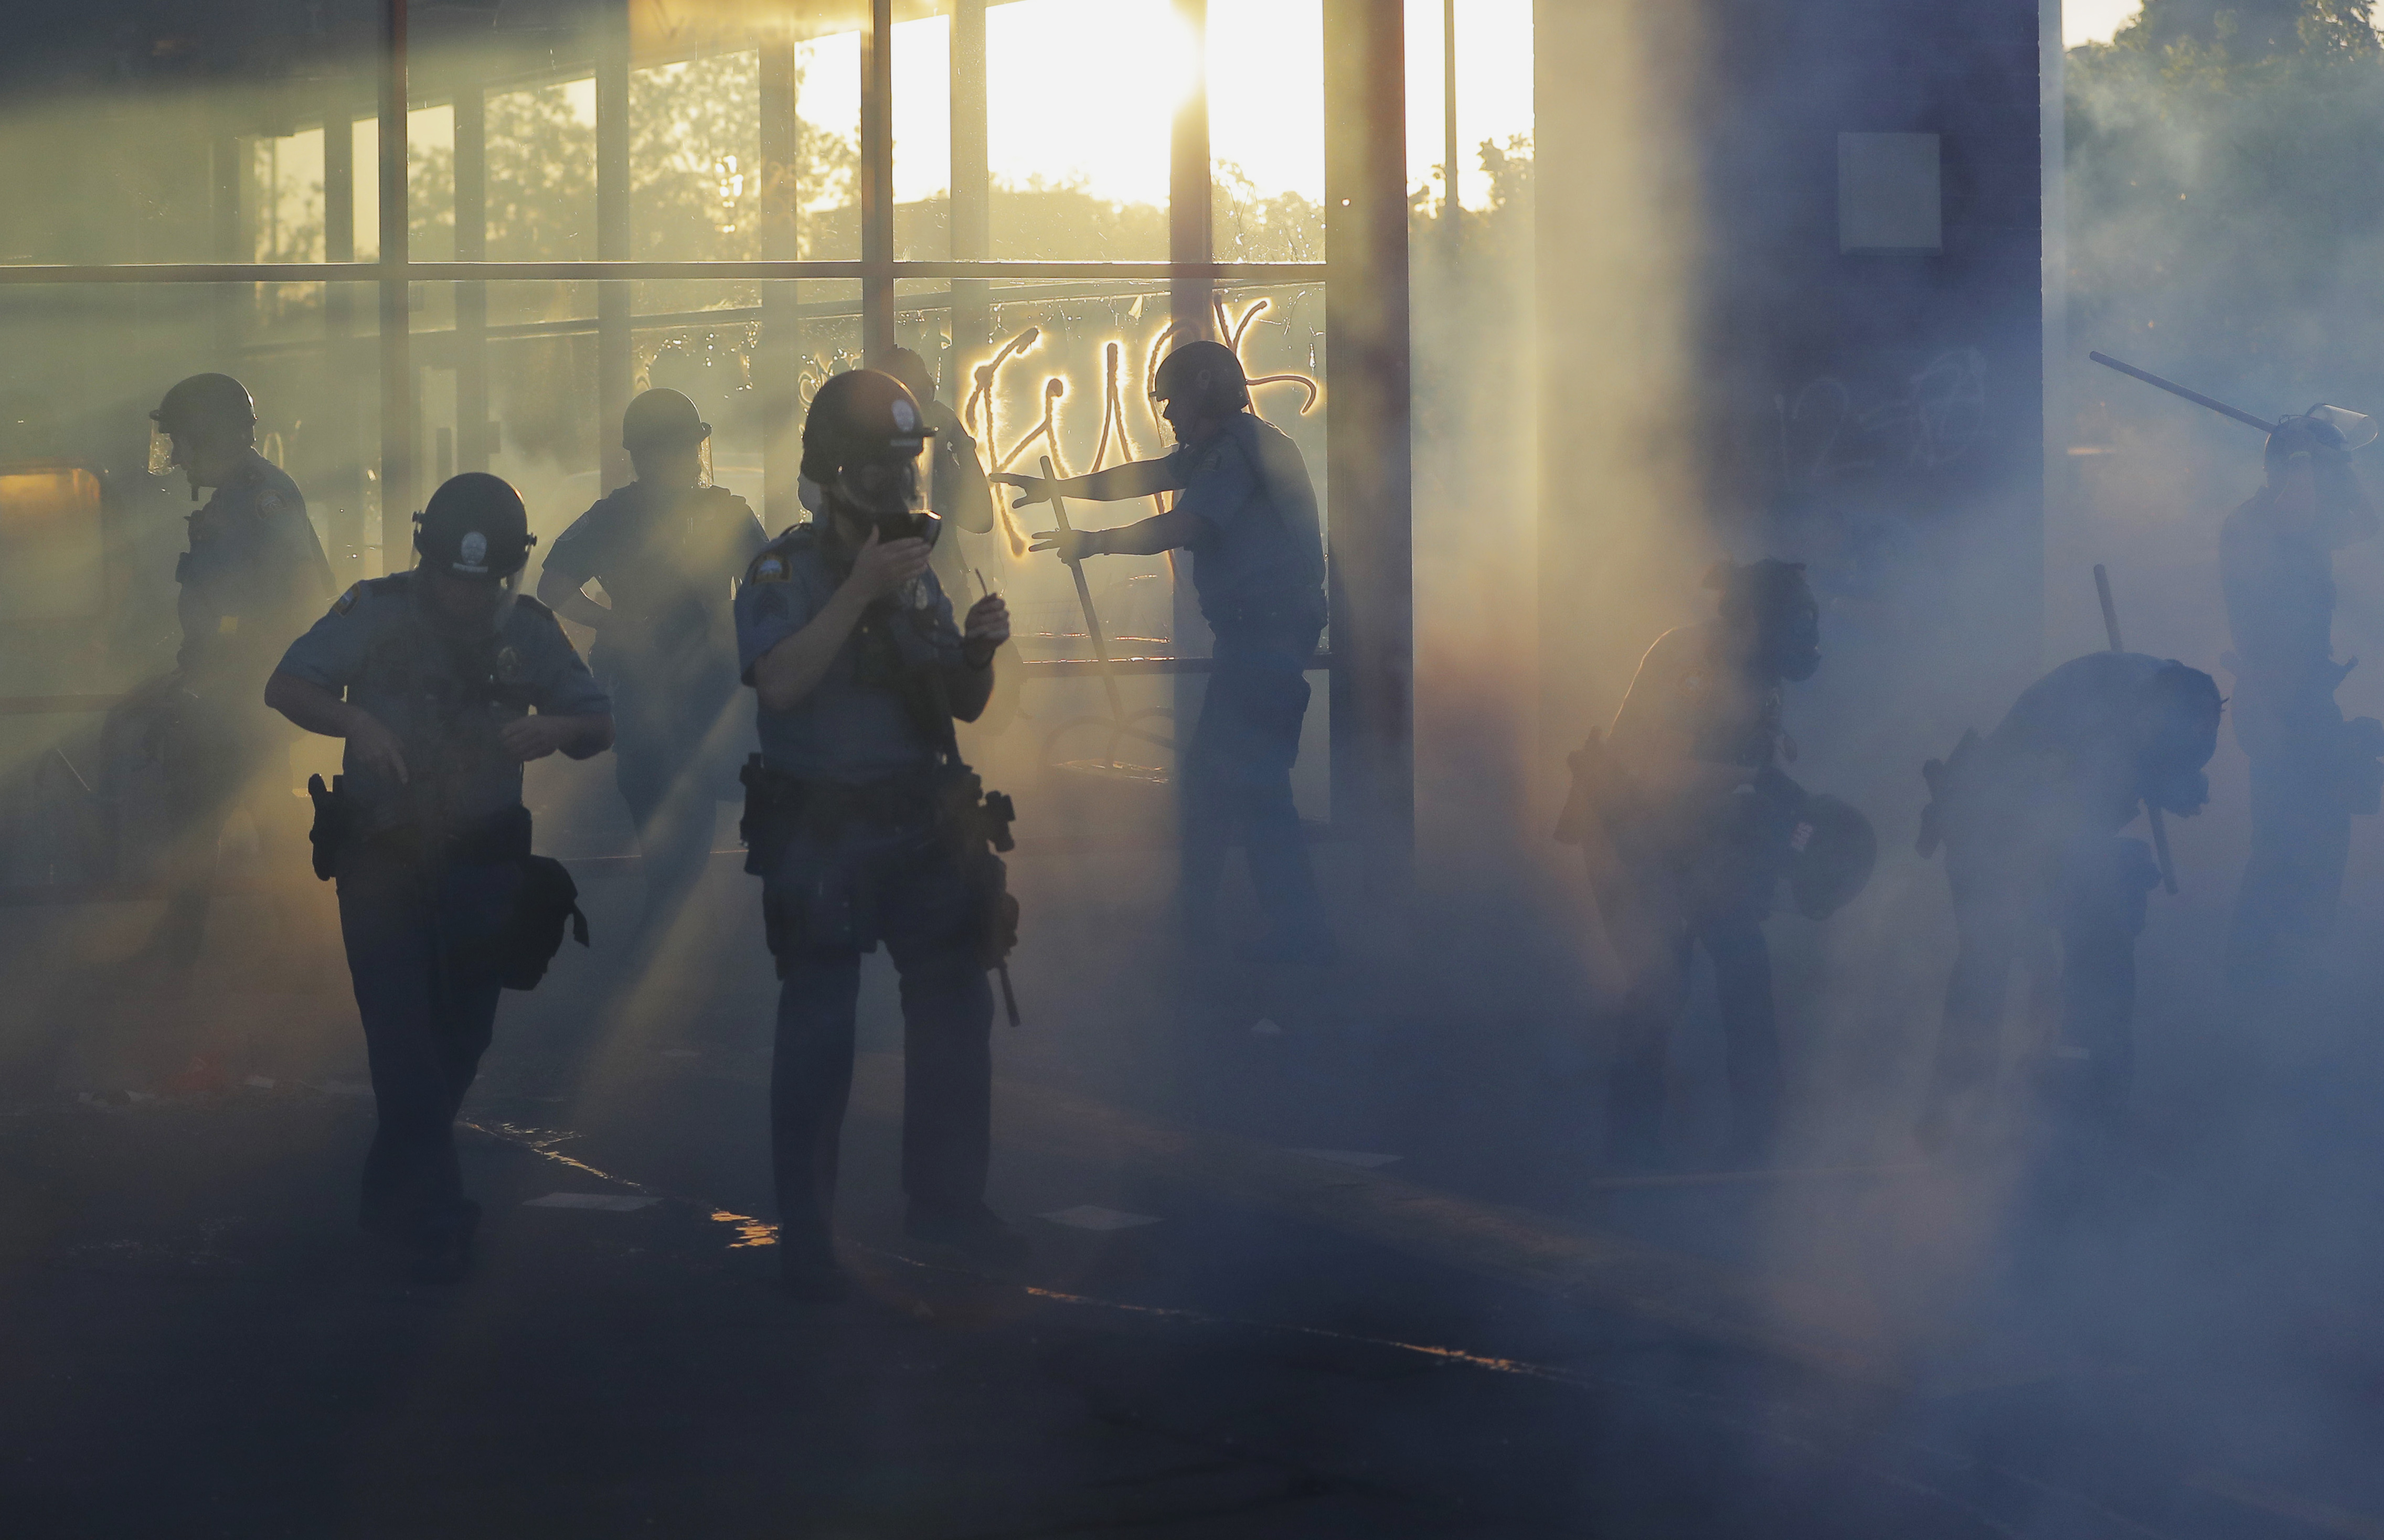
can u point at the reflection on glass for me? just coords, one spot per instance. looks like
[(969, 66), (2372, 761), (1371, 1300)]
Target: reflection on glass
[(1081, 100), (1266, 129), (923, 140), (51, 545)]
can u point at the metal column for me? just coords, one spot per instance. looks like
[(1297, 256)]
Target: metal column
[(344, 498), (1369, 477), (616, 358), (1189, 247), (397, 424), (778, 360), (1191, 294), (472, 445), (224, 181), (1452, 225), (971, 200), (877, 184)]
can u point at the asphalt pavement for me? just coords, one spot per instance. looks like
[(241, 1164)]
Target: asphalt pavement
[(1313, 1256)]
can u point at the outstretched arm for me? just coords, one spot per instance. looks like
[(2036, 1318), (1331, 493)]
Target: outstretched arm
[(1135, 479), (1172, 530)]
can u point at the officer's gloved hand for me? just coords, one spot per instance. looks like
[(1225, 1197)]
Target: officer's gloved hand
[(1068, 545), (1032, 489)]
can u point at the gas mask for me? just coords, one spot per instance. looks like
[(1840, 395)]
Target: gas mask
[(893, 497)]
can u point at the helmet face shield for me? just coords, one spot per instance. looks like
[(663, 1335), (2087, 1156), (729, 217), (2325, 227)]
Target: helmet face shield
[(161, 448), (2357, 430)]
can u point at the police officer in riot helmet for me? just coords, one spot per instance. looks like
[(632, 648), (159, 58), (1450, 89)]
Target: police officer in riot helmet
[(444, 684), (865, 825), (1690, 825), (252, 576), (2310, 770), (668, 549), (2030, 818), (1246, 510), (960, 493)]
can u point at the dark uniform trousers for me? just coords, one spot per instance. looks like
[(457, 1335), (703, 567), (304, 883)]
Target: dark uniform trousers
[(418, 934), (2090, 896), (1656, 919), (2301, 827), (830, 896), (1237, 771)]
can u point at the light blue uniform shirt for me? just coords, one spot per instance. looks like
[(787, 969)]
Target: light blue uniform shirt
[(854, 726), (1262, 546)]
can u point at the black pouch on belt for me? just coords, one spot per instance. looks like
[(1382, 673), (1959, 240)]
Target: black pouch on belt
[(334, 823), (549, 899)]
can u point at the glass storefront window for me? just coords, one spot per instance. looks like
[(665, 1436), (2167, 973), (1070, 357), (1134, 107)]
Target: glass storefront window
[(1081, 102), (1266, 129)]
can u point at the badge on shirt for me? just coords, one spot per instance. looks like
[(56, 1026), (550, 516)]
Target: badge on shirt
[(270, 502)]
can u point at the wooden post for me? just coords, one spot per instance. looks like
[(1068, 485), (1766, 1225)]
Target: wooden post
[(1368, 472)]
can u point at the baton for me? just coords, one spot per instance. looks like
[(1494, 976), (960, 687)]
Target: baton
[(1084, 598), (1009, 1000), (2196, 397), (2111, 629)]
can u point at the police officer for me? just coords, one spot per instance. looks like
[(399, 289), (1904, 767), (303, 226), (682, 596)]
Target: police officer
[(958, 491), (1248, 513), (2029, 816), (2309, 769), (857, 821), (668, 549), (254, 575), (444, 684), (1695, 819)]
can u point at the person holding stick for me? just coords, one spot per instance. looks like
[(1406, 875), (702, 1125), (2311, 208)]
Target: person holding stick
[(1247, 511), (2310, 770), (2029, 816)]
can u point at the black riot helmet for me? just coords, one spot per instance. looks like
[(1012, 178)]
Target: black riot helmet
[(1770, 604), (475, 527), (207, 404), (661, 419), (1204, 372), (865, 442), (906, 365), (1830, 852)]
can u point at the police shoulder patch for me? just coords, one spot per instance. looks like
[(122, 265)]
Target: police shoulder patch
[(770, 566), (269, 502), (347, 601)]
